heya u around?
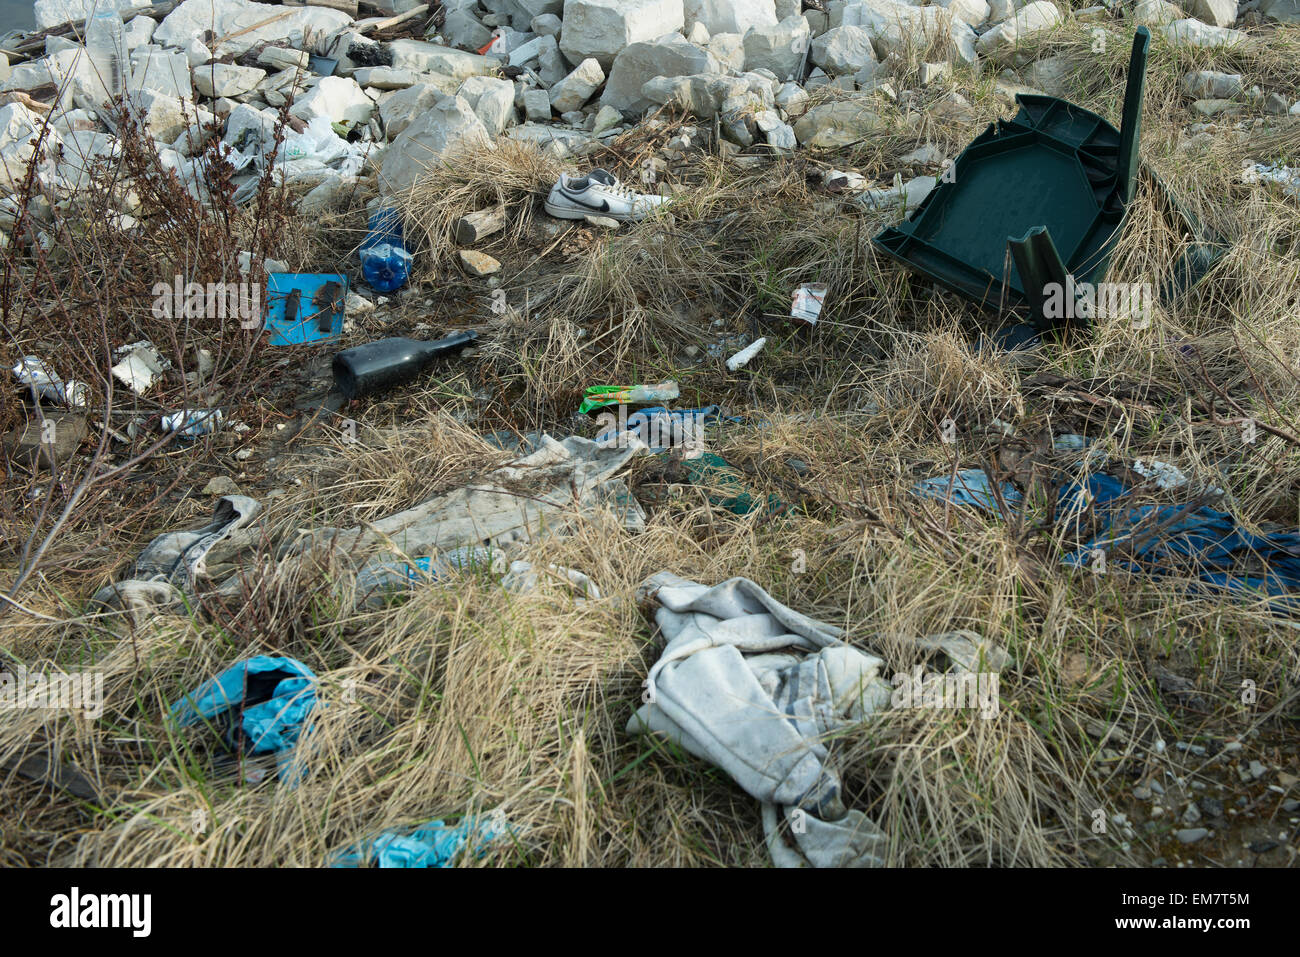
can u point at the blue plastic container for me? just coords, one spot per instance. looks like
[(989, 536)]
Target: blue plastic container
[(385, 260)]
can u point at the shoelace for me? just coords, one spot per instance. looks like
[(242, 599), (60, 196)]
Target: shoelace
[(620, 189)]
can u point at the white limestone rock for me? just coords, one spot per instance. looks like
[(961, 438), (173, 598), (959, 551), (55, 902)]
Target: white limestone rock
[(604, 28)]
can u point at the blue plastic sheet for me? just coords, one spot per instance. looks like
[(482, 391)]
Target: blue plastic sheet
[(1155, 539), (274, 697), (305, 307), (1201, 540), (436, 844), (968, 487)]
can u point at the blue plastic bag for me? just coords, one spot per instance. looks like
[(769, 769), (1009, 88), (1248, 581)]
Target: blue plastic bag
[(436, 844), (272, 696)]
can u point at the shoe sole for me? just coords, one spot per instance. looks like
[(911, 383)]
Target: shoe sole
[(569, 212)]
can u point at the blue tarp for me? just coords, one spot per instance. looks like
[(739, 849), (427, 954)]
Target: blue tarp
[(1200, 541)]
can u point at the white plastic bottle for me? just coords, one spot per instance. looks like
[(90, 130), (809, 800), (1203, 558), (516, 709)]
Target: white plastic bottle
[(106, 49)]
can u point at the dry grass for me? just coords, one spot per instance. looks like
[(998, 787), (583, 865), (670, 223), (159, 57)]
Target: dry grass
[(469, 698)]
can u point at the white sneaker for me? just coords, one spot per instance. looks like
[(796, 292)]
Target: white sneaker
[(599, 193)]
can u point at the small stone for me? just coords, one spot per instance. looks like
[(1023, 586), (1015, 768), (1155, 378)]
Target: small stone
[(1257, 770), (1214, 107), (933, 72), (1211, 807), (1190, 835), (221, 485), (602, 222), (478, 264), (1276, 104), (357, 304), (43, 443), (537, 105), (1142, 793), (798, 466), (546, 25), (607, 118), (1191, 815)]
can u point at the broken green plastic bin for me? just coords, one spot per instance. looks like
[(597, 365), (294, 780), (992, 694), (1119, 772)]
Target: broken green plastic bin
[(1050, 186)]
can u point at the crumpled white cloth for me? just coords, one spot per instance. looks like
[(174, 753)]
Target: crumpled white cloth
[(175, 563), (754, 687)]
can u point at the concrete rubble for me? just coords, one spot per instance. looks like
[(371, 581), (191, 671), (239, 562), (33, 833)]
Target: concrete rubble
[(777, 75)]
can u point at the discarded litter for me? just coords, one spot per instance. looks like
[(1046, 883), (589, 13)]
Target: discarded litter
[(741, 358), (305, 307), (323, 65), (659, 428), (376, 366), (106, 51), (178, 561), (1052, 186), (385, 260), (384, 577), (497, 46), (565, 480), (599, 396), (806, 303), (1164, 474), (1105, 527), (1285, 176), (712, 692), (140, 365), (726, 486), (31, 372), (191, 423), (734, 659), (259, 706), (436, 844), (599, 193), (967, 487)]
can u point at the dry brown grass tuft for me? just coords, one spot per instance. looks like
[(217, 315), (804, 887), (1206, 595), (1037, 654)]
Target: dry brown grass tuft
[(465, 697)]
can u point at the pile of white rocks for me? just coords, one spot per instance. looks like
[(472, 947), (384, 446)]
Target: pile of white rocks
[(563, 73)]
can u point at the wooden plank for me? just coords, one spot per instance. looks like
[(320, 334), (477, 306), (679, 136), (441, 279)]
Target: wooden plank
[(347, 6), (375, 25), (479, 225)]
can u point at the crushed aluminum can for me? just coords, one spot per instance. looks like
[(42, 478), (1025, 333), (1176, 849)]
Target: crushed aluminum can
[(31, 372), (191, 423)]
